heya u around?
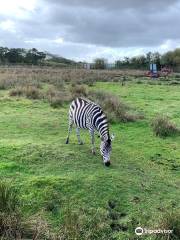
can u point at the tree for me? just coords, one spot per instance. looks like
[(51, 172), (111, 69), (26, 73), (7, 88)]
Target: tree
[(138, 62), (171, 58), (149, 57), (33, 56), (15, 55), (3, 52)]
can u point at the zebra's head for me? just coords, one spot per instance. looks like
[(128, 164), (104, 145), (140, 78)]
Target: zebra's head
[(105, 149)]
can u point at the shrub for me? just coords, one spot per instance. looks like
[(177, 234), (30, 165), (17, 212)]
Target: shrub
[(16, 92), (28, 91), (78, 91), (56, 98), (115, 109), (57, 101), (162, 127), (32, 92), (89, 81)]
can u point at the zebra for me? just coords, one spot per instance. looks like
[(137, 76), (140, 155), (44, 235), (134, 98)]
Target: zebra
[(88, 115)]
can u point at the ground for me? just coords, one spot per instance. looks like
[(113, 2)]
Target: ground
[(141, 185)]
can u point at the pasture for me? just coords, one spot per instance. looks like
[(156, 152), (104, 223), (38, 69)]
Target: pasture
[(64, 189)]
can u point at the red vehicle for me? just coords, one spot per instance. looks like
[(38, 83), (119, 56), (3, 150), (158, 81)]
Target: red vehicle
[(153, 73), (165, 71)]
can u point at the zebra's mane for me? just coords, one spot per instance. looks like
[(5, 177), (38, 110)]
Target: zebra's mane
[(89, 101)]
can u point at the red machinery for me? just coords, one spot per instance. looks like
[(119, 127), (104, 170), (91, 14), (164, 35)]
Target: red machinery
[(153, 73), (165, 71)]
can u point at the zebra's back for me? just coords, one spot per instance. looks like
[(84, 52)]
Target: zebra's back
[(81, 111)]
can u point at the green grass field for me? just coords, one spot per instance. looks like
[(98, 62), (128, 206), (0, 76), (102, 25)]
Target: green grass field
[(140, 187)]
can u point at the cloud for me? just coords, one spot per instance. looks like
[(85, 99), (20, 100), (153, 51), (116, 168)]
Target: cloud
[(114, 4), (8, 25), (17, 8), (124, 24), (87, 29)]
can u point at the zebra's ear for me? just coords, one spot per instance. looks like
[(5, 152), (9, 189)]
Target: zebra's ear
[(112, 137)]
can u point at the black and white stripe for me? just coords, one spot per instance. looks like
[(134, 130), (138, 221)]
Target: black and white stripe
[(88, 115)]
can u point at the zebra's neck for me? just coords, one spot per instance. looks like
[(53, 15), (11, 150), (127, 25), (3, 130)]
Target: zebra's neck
[(104, 136), (103, 130)]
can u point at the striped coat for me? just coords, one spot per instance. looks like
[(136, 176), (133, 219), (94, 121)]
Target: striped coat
[(88, 115)]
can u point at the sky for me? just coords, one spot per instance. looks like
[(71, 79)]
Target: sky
[(84, 30)]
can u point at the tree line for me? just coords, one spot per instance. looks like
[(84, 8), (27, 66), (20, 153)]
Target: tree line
[(21, 56), (170, 59), (35, 57)]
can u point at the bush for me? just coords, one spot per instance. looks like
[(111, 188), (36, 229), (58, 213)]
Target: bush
[(115, 109), (78, 91), (162, 127), (30, 92), (56, 98), (16, 92), (57, 101)]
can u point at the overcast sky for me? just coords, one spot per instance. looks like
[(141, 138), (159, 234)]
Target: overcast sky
[(84, 30)]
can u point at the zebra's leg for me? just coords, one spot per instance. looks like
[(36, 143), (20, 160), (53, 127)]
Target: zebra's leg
[(78, 136), (69, 130), (91, 131)]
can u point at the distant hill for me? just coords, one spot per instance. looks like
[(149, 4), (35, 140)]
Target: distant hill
[(54, 58), (32, 57)]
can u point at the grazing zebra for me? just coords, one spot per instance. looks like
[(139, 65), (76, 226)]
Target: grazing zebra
[(88, 115)]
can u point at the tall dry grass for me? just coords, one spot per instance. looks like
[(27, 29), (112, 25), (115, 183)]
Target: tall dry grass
[(67, 84), (11, 76), (59, 93), (115, 109), (163, 127)]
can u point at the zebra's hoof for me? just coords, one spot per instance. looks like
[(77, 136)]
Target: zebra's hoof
[(67, 141)]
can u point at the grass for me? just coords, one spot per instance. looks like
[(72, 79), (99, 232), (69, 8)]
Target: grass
[(8, 199), (51, 177), (9, 214), (171, 221)]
